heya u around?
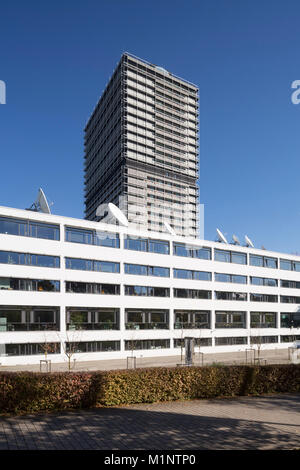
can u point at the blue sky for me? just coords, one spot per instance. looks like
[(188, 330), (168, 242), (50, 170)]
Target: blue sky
[(56, 58)]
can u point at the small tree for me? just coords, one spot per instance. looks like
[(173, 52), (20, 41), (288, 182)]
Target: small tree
[(70, 345)]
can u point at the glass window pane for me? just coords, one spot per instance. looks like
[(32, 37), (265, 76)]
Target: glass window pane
[(201, 276), (161, 272), (108, 239), (270, 262), (44, 231), (285, 264), (257, 281), (221, 255), (158, 246), (239, 279), (183, 274), (74, 263), (239, 258), (296, 266), (79, 236), (13, 226), (270, 282), (45, 261), (7, 257), (139, 244), (256, 260), (220, 277), (108, 267)]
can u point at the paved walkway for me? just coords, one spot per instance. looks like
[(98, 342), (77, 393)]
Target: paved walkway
[(262, 423), (271, 356)]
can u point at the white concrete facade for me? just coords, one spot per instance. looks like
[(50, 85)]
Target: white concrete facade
[(281, 335)]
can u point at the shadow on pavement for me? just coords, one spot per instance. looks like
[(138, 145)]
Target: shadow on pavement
[(158, 426)]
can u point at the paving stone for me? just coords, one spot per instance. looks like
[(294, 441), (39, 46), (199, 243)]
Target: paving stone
[(268, 422)]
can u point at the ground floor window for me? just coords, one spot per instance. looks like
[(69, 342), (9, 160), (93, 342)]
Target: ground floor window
[(263, 339), (289, 338), (179, 342), (230, 341), (147, 344), (92, 346), (29, 349)]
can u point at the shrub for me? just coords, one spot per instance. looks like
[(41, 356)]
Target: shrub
[(29, 392)]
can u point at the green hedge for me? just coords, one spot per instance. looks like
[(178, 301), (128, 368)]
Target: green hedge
[(28, 392)]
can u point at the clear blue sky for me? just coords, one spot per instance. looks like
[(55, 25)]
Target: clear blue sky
[(56, 58)]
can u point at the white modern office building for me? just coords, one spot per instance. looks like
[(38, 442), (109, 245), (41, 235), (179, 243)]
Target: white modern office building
[(107, 292)]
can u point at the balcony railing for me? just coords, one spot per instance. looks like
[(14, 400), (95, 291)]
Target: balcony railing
[(186, 325), (263, 325), (230, 325), (28, 327), (146, 326), (93, 326)]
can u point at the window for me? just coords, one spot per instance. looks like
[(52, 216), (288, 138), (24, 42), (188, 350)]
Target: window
[(9, 257), (92, 265), (230, 257), (142, 270), (256, 260), (289, 338), (191, 251), (290, 320), (242, 296), (192, 294), (238, 258), (263, 281), (289, 299), (92, 346), (234, 278), (92, 318), (196, 275), (262, 319), (147, 344), (263, 261), (290, 284), (147, 291), (40, 285), (263, 339), (146, 319), (191, 319), (227, 341), (221, 255), (92, 237), (30, 349), (148, 245), (263, 298), (29, 318), (179, 343), (92, 288), (28, 228), (289, 265), (230, 319)]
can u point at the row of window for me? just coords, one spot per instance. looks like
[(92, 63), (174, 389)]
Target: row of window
[(28, 228), (30, 349), (28, 259), (46, 285), (31, 318)]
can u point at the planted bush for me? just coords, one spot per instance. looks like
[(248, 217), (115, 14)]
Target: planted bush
[(29, 392)]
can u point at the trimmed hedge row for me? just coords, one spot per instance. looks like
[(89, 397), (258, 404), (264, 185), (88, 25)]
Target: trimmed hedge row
[(29, 392)]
